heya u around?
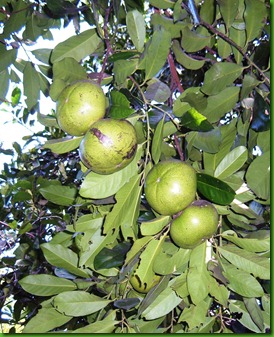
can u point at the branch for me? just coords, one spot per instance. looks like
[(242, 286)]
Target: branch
[(231, 42)]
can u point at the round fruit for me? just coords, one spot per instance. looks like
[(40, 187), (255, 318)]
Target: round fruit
[(143, 287), (79, 105), (108, 146), (170, 186), (198, 222)]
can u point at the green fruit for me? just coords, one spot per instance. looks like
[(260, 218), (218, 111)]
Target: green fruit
[(198, 222), (143, 287), (79, 105), (108, 146), (170, 186)]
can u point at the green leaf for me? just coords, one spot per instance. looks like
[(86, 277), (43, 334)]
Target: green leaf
[(169, 262), (249, 262), (232, 162), (120, 106), (68, 70), (42, 54), (218, 105), (166, 301), (107, 325), (126, 210), (215, 189), (164, 4), (4, 84), (228, 11), (157, 141), (255, 245), (185, 60), (98, 186), (255, 312), (78, 303), (63, 145), (259, 183), (255, 16), (46, 285), (31, 85), (192, 41), (16, 19), (224, 48), (209, 141), (193, 120), (157, 91), (46, 320), (195, 315), (62, 257), (60, 195), (241, 282), (124, 68), (239, 37), (109, 258), (7, 58), (220, 76), (136, 28), (77, 47), (198, 276), (159, 45), (154, 226), (246, 320)]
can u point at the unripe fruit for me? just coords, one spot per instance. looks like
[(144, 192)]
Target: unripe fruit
[(143, 287), (108, 146), (198, 222), (170, 186), (79, 105)]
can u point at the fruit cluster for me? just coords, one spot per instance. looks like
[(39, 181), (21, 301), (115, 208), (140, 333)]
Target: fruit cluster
[(170, 189), (108, 145)]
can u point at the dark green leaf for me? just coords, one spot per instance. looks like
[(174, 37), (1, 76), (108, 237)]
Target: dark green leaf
[(215, 189), (120, 106), (126, 303), (109, 258)]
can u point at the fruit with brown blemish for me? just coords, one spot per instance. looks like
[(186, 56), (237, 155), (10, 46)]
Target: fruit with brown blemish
[(109, 146)]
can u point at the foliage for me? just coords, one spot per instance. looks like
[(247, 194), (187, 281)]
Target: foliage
[(193, 78)]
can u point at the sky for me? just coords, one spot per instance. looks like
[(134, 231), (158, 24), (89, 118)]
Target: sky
[(10, 131)]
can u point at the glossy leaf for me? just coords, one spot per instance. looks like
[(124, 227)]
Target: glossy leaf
[(193, 120), (232, 162), (214, 189), (154, 226), (60, 195), (63, 145), (220, 76), (78, 303), (260, 183), (77, 47), (62, 257), (46, 285), (136, 28), (164, 303)]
